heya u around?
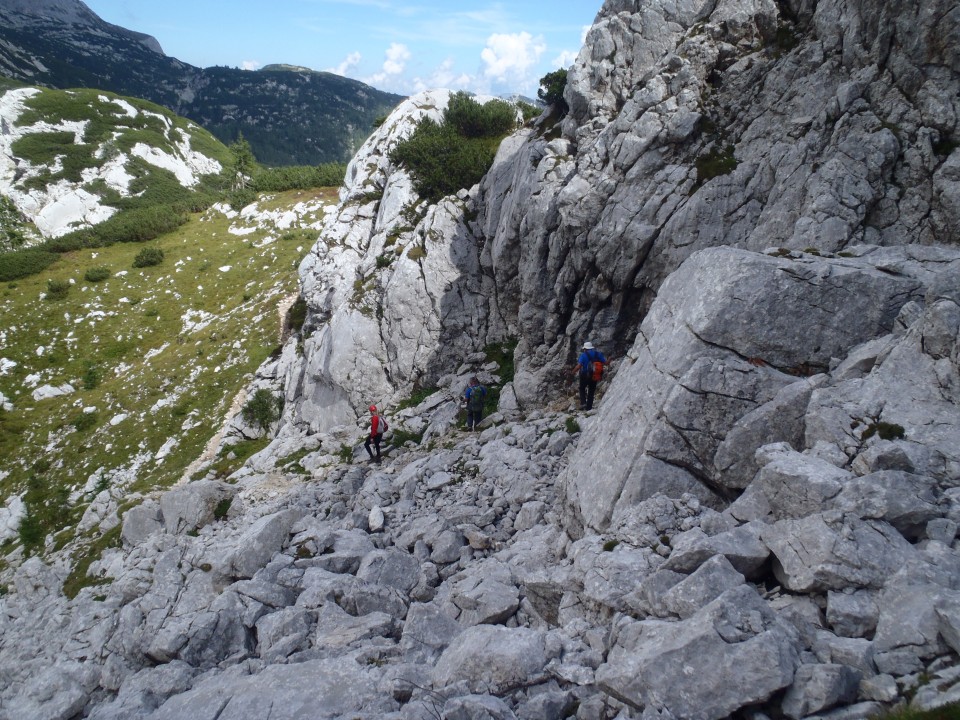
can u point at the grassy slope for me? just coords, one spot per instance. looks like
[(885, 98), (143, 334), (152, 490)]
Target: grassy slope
[(171, 380)]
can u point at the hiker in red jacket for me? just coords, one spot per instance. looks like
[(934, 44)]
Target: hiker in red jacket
[(590, 367), (378, 426)]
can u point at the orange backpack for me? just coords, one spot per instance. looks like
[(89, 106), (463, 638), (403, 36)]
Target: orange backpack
[(596, 371)]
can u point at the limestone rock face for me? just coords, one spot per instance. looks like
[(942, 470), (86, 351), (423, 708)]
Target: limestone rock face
[(393, 300), (704, 360)]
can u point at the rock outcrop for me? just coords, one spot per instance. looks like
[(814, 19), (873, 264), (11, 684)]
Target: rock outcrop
[(751, 207)]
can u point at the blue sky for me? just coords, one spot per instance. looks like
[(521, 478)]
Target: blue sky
[(402, 47)]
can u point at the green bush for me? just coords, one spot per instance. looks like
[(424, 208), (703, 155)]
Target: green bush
[(96, 274), (551, 90), (297, 314), (57, 289), (92, 376), (529, 111), (241, 197), (456, 153), (299, 177), (22, 263), (717, 162), (262, 409), (84, 421), (886, 431), (138, 225), (469, 118), (147, 257)]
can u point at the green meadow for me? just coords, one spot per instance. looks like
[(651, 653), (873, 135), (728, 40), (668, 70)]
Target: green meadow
[(155, 356)]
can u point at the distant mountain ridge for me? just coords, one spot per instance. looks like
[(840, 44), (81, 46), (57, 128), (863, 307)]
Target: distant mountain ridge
[(290, 116)]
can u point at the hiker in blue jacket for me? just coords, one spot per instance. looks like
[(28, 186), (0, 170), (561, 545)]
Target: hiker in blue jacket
[(590, 366), (474, 396)]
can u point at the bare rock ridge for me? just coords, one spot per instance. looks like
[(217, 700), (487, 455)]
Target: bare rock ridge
[(752, 208)]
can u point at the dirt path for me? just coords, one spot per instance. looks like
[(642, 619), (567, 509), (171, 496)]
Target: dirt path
[(210, 451)]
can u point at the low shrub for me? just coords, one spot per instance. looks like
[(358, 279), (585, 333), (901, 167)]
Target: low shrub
[(147, 257), (297, 315), (262, 409), (57, 289), (456, 153), (84, 421), (96, 274), (23, 263), (299, 177), (717, 162), (886, 431), (92, 377), (222, 508)]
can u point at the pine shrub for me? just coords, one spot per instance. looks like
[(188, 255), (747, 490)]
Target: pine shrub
[(262, 409), (22, 263), (147, 257), (96, 274), (57, 289)]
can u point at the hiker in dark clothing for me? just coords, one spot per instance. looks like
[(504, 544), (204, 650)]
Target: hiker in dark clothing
[(590, 366), (474, 396), (378, 426)]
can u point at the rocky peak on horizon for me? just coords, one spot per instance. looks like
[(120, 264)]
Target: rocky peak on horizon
[(55, 15), (62, 44)]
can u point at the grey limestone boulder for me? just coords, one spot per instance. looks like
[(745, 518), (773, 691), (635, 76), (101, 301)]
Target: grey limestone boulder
[(336, 629), (318, 689), (798, 485), (144, 691), (355, 596), (495, 659), (342, 551), (191, 506), (282, 633), (733, 652), (258, 544), (391, 568), (820, 687), (427, 631), (59, 692), (477, 707), (742, 546), (828, 552), (778, 420), (853, 613), (485, 594), (706, 583), (905, 500), (141, 521)]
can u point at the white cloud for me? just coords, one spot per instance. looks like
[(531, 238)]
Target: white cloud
[(565, 59), (349, 63), (443, 76), (250, 64), (511, 59), (397, 56)]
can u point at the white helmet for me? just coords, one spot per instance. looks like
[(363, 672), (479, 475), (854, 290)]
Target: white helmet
[(588, 346)]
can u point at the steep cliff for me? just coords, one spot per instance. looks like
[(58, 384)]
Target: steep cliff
[(692, 125)]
